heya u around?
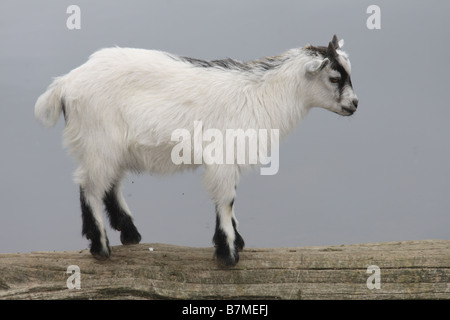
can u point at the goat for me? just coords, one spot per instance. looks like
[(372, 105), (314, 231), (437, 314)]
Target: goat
[(122, 106)]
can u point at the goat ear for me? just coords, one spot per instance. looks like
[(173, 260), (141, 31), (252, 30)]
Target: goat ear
[(316, 66), (324, 63)]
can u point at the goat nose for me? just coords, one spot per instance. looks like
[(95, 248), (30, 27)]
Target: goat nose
[(355, 102)]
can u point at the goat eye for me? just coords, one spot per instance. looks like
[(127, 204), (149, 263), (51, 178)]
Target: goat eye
[(335, 79)]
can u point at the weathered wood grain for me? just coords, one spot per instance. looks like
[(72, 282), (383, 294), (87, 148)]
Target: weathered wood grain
[(409, 270)]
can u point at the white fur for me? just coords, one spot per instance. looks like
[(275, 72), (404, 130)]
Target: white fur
[(123, 104)]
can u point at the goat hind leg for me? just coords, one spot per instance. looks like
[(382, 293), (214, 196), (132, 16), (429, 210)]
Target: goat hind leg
[(93, 228), (120, 217)]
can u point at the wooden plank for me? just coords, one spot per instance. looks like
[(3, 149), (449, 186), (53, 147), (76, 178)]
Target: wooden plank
[(408, 270)]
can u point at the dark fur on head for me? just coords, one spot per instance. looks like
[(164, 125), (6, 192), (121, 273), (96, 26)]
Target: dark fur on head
[(331, 53)]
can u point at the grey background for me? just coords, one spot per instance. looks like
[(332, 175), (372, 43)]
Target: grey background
[(381, 175)]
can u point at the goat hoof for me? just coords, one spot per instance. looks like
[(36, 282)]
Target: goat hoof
[(130, 235), (229, 261), (101, 254), (225, 258), (239, 242)]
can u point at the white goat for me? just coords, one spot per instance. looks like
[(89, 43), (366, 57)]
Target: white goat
[(122, 106)]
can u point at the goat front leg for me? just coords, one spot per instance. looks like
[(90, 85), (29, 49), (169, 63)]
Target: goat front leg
[(228, 242)]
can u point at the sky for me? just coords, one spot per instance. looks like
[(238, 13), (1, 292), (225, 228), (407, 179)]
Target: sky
[(381, 175)]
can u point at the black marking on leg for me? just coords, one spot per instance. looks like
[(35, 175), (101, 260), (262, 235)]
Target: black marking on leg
[(238, 240), (91, 230), (239, 243), (119, 219), (223, 252)]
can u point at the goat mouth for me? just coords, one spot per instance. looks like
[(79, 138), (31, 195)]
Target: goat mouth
[(348, 111)]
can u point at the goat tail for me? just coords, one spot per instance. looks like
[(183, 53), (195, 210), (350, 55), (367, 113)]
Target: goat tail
[(49, 105)]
